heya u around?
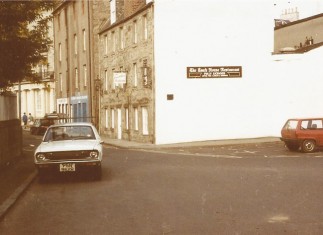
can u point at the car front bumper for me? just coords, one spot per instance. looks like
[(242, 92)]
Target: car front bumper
[(58, 165)]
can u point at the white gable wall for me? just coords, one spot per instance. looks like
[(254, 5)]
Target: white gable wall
[(221, 33)]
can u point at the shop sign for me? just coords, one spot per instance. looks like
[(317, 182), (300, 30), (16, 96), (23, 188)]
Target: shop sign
[(215, 72)]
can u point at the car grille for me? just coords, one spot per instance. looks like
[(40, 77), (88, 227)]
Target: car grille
[(68, 155)]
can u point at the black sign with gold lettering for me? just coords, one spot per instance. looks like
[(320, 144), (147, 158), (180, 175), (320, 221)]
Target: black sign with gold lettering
[(215, 72)]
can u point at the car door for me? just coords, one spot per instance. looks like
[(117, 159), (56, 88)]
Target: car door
[(313, 129), (317, 128)]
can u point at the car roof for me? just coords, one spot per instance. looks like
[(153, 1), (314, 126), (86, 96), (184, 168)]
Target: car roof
[(73, 124), (312, 118)]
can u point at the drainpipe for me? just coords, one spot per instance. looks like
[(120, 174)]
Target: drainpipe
[(90, 62)]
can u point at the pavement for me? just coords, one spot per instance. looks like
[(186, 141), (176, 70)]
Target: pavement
[(18, 175)]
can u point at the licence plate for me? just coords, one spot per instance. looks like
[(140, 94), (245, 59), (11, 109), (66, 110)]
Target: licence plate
[(66, 167)]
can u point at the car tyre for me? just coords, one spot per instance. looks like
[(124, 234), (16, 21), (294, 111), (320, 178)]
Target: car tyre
[(308, 146), (292, 147)]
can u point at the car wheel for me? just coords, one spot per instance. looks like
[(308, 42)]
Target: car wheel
[(292, 147), (308, 146)]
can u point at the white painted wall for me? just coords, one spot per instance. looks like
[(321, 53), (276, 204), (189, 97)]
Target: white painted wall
[(223, 33), (33, 93)]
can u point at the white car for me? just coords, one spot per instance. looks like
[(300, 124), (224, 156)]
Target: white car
[(69, 147)]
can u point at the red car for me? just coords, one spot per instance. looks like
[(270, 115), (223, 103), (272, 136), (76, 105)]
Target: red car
[(303, 133)]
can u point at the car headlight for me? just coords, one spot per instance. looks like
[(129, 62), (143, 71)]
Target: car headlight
[(94, 154), (40, 157)]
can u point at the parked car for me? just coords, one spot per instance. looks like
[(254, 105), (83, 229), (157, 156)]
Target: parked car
[(40, 126), (70, 147), (303, 133)]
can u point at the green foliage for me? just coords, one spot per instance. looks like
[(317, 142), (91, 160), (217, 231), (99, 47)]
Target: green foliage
[(23, 38)]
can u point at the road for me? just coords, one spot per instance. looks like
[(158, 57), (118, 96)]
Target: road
[(241, 189)]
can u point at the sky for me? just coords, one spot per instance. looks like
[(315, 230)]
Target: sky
[(306, 8)]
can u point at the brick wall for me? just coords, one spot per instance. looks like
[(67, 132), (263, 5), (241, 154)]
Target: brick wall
[(10, 141)]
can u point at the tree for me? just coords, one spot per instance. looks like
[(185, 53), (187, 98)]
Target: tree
[(23, 38)]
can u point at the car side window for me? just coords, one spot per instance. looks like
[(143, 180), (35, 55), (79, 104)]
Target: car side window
[(312, 124), (316, 124)]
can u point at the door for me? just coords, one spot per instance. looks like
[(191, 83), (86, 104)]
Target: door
[(119, 123)]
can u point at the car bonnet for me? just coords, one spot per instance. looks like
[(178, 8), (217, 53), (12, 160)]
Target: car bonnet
[(70, 145)]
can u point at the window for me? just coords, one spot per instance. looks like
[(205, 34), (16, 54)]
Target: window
[(145, 76), (106, 44), (145, 73), (127, 118), (135, 33), (121, 36), (135, 75), (61, 82), (136, 119), (60, 51), (312, 124), (113, 37), (112, 118), (76, 79), (113, 15), (85, 74), (59, 21), (113, 84), (74, 10), (144, 113), (106, 118), (106, 79), (145, 27), (84, 40), (75, 44)]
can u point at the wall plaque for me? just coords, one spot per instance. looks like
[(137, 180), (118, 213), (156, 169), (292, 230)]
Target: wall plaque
[(215, 72)]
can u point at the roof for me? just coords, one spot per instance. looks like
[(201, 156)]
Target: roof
[(107, 26), (299, 21)]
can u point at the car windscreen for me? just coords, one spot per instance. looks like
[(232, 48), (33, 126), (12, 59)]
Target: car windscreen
[(59, 133), (291, 125)]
